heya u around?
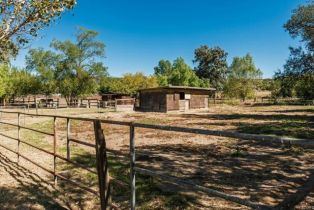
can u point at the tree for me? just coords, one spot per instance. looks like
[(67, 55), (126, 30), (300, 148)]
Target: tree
[(78, 72), (22, 83), (182, 74), (211, 65), (44, 63), (4, 80), (129, 83), (301, 24), (21, 20), (164, 67), (243, 78), (297, 78), (177, 73)]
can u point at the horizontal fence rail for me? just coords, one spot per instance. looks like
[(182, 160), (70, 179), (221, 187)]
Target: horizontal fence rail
[(53, 154), (230, 134), (132, 153)]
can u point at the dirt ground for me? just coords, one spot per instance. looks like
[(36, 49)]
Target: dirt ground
[(265, 173)]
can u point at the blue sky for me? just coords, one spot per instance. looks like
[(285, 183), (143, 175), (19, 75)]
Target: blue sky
[(139, 33)]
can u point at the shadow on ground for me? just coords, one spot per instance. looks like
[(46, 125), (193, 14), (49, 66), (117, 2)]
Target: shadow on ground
[(30, 191), (297, 126), (270, 174)]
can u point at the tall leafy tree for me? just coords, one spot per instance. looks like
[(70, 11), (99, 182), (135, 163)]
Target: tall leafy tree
[(182, 74), (130, 83), (164, 67), (44, 64), (162, 72), (211, 65), (297, 78), (301, 24), (21, 20), (79, 70), (22, 83), (243, 78), (177, 73), (4, 80)]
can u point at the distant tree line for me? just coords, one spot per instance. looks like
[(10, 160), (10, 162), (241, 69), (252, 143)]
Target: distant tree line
[(75, 68)]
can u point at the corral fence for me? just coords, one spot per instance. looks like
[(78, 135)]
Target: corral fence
[(262, 101), (103, 168), (126, 104)]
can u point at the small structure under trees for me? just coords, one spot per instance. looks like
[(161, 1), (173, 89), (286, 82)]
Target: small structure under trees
[(174, 98)]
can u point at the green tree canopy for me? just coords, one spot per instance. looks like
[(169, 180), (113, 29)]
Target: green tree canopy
[(44, 63), (301, 24), (78, 72), (22, 83), (211, 65), (4, 79), (164, 67), (21, 20), (297, 78), (243, 78), (72, 68), (177, 73), (129, 83)]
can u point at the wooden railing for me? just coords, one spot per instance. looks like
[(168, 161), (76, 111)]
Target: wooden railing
[(102, 167)]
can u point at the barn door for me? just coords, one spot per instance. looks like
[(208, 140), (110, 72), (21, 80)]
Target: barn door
[(187, 105), (206, 102)]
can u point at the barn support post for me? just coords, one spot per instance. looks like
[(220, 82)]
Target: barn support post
[(132, 165), (102, 167), (54, 149), (68, 138)]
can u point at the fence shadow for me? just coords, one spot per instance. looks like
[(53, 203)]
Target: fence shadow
[(297, 126), (30, 192), (263, 172), (34, 191), (236, 116)]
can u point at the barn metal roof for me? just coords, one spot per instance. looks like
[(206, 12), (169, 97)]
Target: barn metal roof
[(178, 87)]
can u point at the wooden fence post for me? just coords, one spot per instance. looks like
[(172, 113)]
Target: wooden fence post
[(18, 138), (36, 107), (54, 149), (68, 138), (132, 165), (102, 167)]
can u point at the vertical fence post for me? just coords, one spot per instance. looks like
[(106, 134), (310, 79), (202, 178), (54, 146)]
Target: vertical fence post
[(36, 107), (54, 149), (68, 138), (102, 167), (24, 115), (132, 165), (18, 137)]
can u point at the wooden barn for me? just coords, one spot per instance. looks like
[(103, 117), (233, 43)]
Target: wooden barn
[(174, 98)]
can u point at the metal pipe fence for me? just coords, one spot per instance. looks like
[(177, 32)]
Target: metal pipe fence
[(134, 169)]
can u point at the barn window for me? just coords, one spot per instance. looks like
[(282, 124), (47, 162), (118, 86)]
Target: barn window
[(182, 96)]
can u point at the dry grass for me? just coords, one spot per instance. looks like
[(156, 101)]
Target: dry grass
[(263, 173)]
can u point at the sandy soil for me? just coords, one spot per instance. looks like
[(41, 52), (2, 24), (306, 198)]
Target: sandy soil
[(270, 174)]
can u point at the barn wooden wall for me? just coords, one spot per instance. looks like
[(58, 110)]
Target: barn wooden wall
[(153, 101), (169, 100)]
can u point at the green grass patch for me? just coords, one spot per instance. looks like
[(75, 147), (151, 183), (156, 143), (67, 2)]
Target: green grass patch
[(289, 128), (154, 121)]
